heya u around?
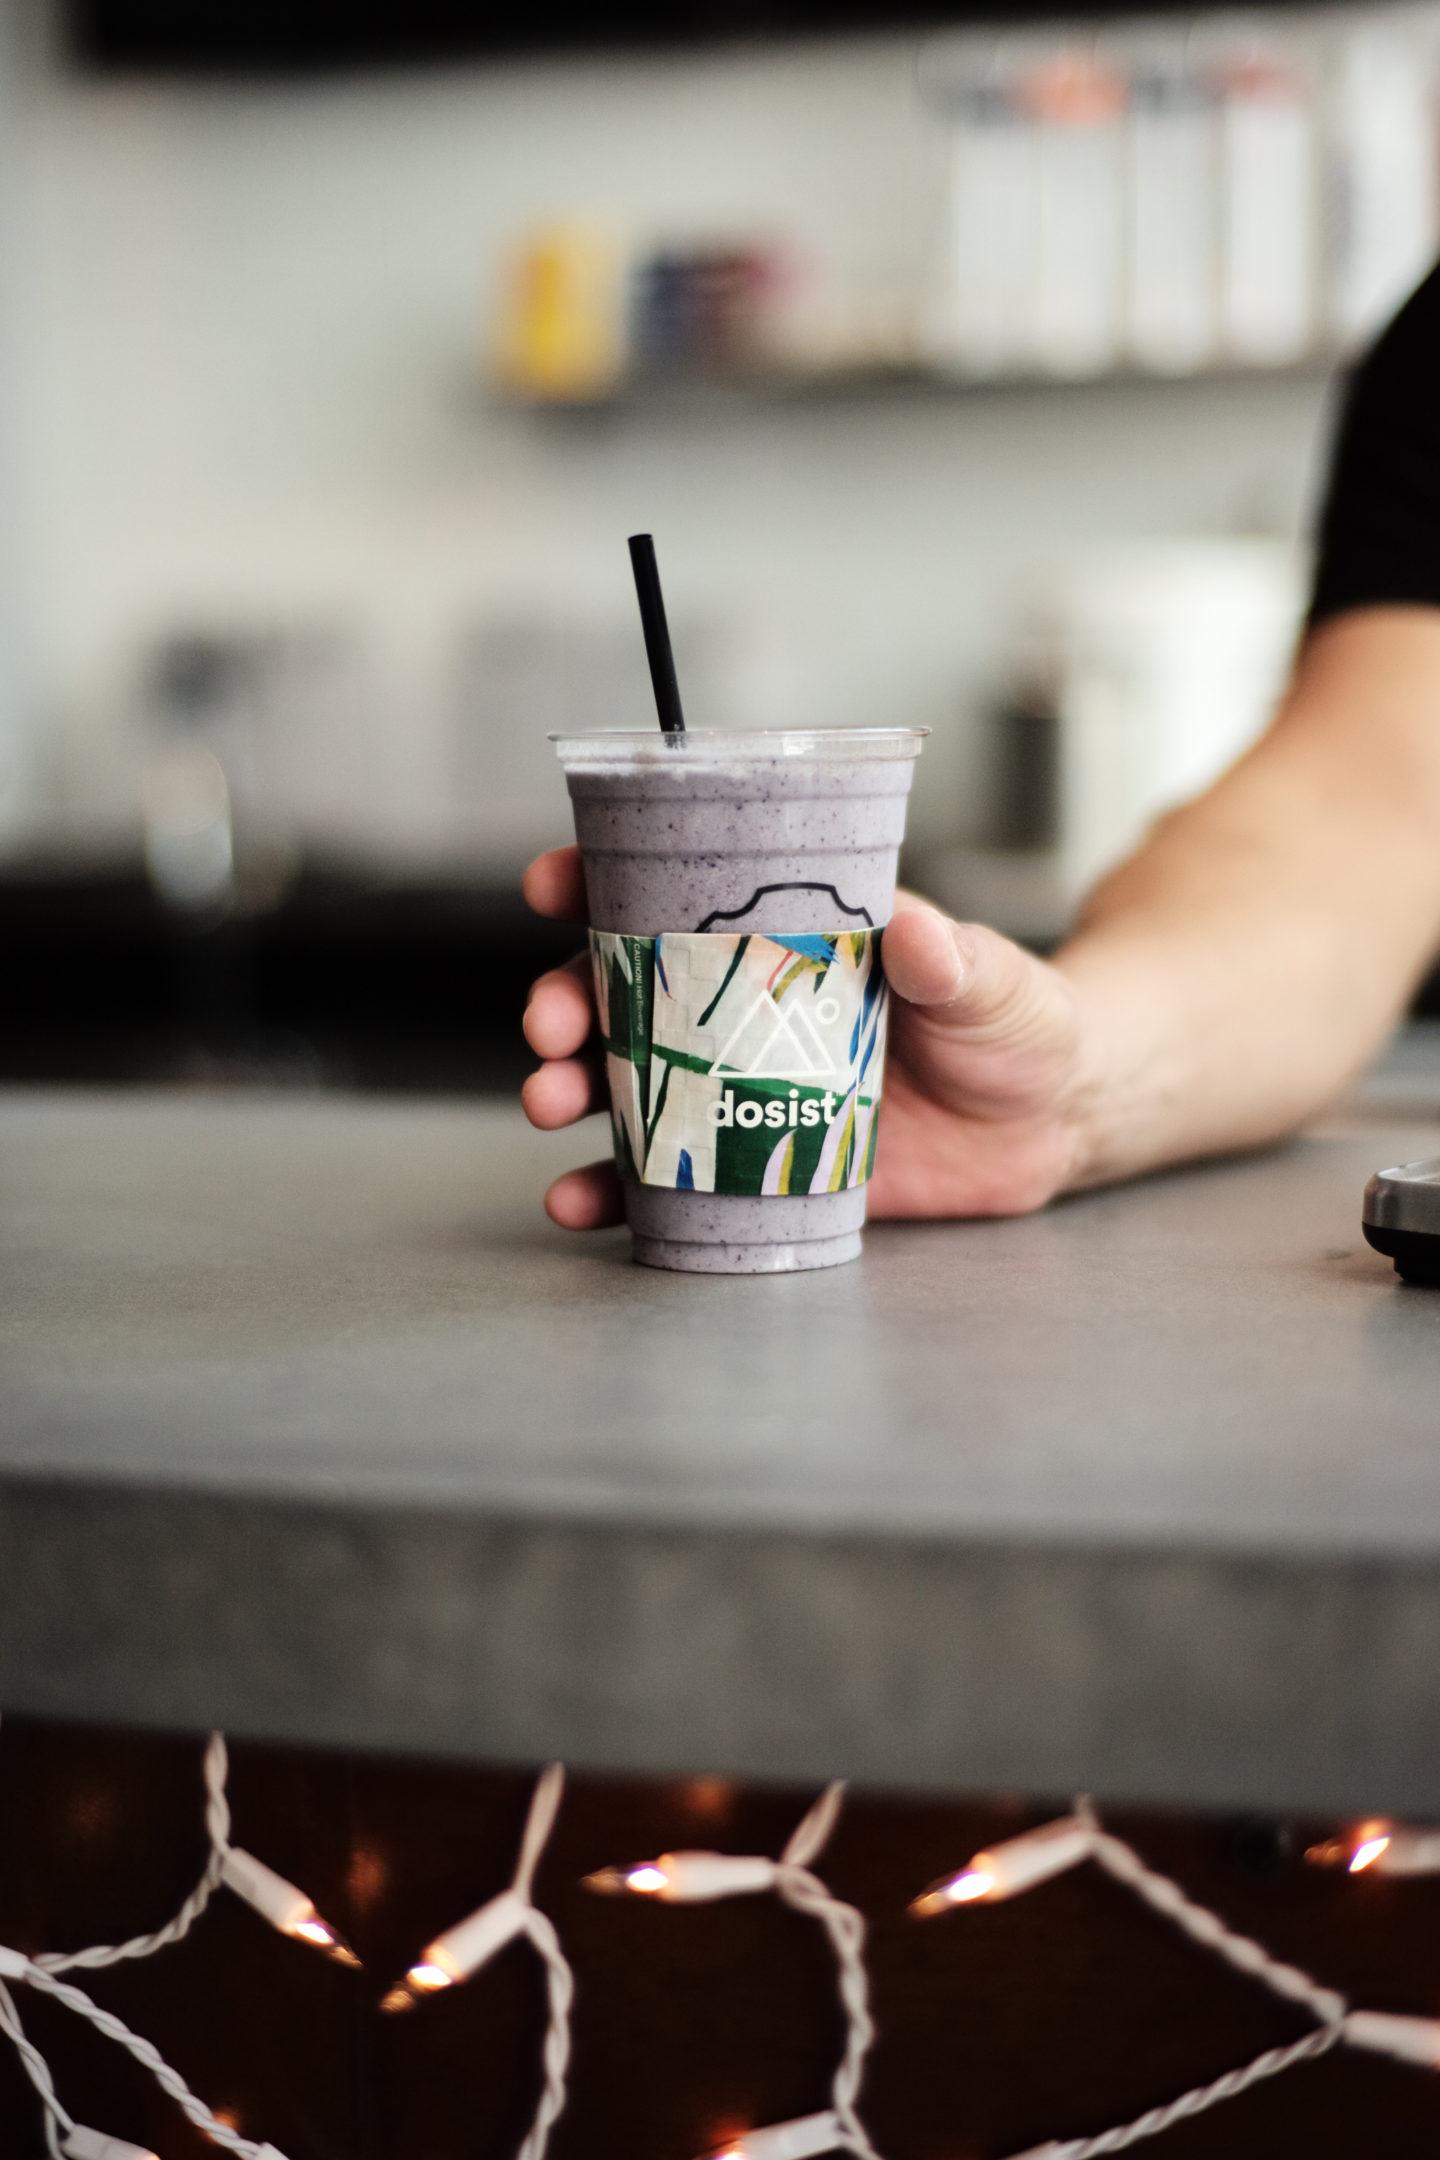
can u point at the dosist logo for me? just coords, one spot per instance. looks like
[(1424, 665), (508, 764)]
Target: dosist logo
[(778, 1114), (778, 1045)]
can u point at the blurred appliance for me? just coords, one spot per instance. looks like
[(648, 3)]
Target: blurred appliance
[(517, 677), (200, 692), (1401, 1218), (1138, 674), (1160, 663), (289, 716)]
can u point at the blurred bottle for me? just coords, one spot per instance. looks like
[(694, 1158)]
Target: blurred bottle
[(1269, 207), (1172, 270), (1177, 202), (973, 317), (201, 699), (1077, 104), (706, 309), (562, 332), (217, 819), (1382, 169)]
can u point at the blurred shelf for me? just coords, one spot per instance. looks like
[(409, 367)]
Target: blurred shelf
[(899, 379)]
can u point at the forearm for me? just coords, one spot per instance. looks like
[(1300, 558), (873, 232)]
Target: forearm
[(1249, 959)]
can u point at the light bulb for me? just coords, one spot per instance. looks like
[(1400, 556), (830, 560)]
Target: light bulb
[(321, 1936), (687, 1878), (802, 2139), (460, 1951), (421, 1980), (1004, 1870), (1354, 1850), (1386, 2032), (647, 1880), (962, 1889), (1380, 1848), (79, 2143), (286, 1907)]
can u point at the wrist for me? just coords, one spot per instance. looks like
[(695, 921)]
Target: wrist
[(1116, 1096)]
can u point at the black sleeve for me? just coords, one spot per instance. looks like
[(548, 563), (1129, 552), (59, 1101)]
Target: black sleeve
[(1379, 535)]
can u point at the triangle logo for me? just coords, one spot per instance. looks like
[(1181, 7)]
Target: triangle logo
[(771, 1044)]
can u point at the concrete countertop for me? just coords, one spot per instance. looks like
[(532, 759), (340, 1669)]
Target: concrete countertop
[(311, 1425)]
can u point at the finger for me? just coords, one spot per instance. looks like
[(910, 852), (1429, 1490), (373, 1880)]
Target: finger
[(588, 1199), (562, 1091), (922, 959), (962, 975), (554, 885), (561, 1009)]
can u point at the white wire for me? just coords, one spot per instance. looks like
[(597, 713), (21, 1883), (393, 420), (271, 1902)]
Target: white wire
[(215, 1770), (805, 1893), (38, 2071), (555, 2060), (795, 1883), (1194, 2102), (559, 1978), (544, 1807), (801, 1889), (813, 1830), (144, 2051), (1206, 1928)]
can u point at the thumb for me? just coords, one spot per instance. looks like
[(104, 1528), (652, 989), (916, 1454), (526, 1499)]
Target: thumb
[(964, 978)]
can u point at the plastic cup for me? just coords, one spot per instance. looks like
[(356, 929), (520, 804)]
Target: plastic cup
[(759, 867)]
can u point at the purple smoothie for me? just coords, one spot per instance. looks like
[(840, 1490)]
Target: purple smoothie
[(785, 832)]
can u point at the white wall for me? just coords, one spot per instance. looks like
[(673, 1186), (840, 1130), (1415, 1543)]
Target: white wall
[(252, 320)]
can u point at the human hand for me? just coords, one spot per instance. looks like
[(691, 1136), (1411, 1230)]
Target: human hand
[(983, 1089)]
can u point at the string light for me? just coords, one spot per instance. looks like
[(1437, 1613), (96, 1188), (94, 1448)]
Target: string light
[(64, 2136), (472, 1942), (83, 2144), (214, 1771), (1038, 1855), (58, 2120), (1003, 1871), (698, 1878), (1389, 2032), (282, 1903), (799, 2140), (460, 1951), (1380, 1848), (1195, 2102), (688, 1878), (286, 1907)]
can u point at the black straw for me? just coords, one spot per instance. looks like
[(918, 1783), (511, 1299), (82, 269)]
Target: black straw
[(657, 634)]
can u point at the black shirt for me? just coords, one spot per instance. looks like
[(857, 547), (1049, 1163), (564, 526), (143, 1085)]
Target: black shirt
[(1380, 529)]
